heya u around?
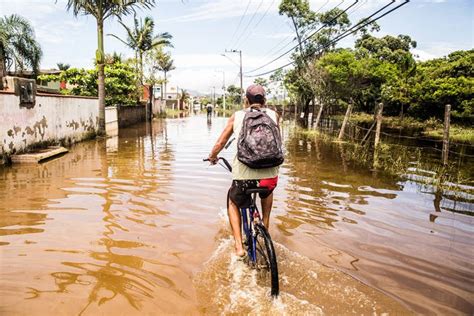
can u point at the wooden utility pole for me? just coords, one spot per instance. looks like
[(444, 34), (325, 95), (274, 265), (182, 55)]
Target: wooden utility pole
[(241, 73), (447, 115), (344, 122), (378, 127)]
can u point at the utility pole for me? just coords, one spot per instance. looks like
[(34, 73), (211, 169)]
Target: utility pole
[(241, 74), (214, 96), (223, 88)]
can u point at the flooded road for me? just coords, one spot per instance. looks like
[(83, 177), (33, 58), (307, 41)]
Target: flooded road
[(136, 224)]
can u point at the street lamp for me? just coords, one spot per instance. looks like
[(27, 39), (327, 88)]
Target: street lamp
[(241, 74)]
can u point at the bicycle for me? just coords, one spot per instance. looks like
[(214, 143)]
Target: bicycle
[(260, 251)]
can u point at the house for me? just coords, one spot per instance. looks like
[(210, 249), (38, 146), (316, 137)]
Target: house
[(41, 86)]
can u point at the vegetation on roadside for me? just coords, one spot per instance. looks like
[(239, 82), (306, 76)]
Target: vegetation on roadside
[(376, 70), (18, 46), (120, 81), (432, 128), (395, 160)]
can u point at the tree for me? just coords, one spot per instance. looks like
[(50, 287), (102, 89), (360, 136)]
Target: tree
[(234, 94), (164, 63), (140, 38), (300, 14), (18, 46), (183, 97), (62, 66), (101, 10), (264, 83), (120, 82)]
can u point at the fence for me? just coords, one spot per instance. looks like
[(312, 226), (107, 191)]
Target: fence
[(443, 146)]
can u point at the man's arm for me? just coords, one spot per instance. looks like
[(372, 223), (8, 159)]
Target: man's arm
[(222, 141)]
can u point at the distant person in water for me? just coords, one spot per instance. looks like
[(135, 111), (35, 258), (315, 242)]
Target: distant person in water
[(209, 110)]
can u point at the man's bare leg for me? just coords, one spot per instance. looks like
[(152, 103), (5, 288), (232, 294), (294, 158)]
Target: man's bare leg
[(235, 222), (267, 204)]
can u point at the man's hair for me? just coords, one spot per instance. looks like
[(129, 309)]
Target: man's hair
[(260, 99)]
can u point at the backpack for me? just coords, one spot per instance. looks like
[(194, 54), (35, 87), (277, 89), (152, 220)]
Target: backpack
[(259, 144)]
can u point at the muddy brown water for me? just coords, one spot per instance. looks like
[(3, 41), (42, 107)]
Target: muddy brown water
[(136, 225)]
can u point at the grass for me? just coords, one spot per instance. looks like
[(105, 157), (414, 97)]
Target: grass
[(394, 160), (430, 128), (456, 133)]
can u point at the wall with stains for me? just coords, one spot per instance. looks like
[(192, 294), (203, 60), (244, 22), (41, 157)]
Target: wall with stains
[(52, 118)]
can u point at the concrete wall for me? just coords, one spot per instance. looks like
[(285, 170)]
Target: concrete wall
[(158, 107), (111, 121), (52, 118), (129, 115)]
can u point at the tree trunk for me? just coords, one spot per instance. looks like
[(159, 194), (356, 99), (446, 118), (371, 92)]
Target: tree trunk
[(2, 72), (297, 35), (101, 83), (320, 112), (164, 93), (140, 55)]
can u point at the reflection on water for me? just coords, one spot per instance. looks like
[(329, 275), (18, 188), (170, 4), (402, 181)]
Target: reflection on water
[(131, 225)]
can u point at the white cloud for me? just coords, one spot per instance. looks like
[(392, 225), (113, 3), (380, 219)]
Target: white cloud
[(422, 55)]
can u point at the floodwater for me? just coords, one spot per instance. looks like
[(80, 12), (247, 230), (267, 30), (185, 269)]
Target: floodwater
[(136, 225)]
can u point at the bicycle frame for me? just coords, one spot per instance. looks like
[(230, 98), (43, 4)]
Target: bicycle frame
[(249, 216)]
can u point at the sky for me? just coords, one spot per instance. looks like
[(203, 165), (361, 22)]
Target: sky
[(203, 31)]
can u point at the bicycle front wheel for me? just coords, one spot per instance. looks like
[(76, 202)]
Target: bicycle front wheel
[(266, 261)]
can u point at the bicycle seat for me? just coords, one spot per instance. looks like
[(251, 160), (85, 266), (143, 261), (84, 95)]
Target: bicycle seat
[(256, 190)]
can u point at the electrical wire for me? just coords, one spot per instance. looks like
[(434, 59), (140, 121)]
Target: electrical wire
[(304, 40), (240, 22), (248, 24), (304, 33), (338, 38)]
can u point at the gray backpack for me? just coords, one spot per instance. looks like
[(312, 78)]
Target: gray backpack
[(259, 143)]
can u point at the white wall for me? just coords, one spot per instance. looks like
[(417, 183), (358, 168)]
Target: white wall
[(111, 121), (51, 118)]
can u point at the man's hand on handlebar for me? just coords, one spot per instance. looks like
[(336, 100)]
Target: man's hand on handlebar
[(213, 159)]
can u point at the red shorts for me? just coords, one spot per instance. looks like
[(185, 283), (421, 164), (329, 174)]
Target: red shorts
[(240, 198)]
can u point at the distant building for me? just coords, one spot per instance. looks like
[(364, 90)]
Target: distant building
[(171, 93), (41, 86)]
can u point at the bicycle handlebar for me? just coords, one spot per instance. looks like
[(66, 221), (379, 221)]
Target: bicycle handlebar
[(227, 164)]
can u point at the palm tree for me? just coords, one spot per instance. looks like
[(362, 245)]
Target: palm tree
[(101, 10), (164, 63), (18, 46), (140, 38), (184, 97)]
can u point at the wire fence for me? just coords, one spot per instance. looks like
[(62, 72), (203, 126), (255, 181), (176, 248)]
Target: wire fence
[(332, 126)]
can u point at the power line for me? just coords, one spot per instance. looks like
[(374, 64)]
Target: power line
[(248, 24), (305, 39), (308, 28), (258, 22), (271, 4), (240, 22), (341, 36)]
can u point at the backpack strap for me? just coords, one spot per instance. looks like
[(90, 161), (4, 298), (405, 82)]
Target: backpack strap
[(254, 108)]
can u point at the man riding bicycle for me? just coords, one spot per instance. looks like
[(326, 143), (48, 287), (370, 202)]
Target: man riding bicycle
[(244, 177)]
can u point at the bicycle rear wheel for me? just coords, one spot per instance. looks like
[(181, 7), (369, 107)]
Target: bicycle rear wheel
[(266, 258)]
